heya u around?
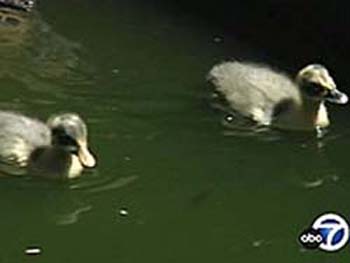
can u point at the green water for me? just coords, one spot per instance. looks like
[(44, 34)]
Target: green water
[(193, 192)]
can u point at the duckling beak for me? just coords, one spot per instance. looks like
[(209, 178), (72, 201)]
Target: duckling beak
[(335, 96), (85, 156)]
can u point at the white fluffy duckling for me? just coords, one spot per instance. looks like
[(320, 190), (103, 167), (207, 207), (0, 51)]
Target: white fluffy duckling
[(57, 149), (272, 98)]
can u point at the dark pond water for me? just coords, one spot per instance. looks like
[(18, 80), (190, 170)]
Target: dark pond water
[(172, 184)]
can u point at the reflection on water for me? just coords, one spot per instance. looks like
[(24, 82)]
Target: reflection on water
[(34, 55), (97, 185), (72, 217), (313, 171)]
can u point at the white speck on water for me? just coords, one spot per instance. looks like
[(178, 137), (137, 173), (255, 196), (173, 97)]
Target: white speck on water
[(123, 212), (214, 95), (33, 251), (217, 39), (258, 243), (229, 118), (115, 71), (127, 158), (335, 178)]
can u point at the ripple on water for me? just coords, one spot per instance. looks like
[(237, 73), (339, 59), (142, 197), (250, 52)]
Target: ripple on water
[(72, 217), (103, 184)]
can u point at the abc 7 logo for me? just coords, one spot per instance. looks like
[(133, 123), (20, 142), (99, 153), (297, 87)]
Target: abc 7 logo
[(329, 232), (311, 238)]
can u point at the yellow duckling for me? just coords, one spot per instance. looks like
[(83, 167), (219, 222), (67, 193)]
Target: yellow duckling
[(56, 149), (272, 98)]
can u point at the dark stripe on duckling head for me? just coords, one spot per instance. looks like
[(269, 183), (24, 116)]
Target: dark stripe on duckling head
[(61, 138), (314, 90), (71, 123), (72, 126)]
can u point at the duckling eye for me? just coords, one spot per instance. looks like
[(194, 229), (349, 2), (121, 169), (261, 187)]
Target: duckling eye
[(314, 90), (66, 140)]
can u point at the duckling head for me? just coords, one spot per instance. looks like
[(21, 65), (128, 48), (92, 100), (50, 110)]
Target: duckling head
[(25, 5), (70, 132), (316, 83)]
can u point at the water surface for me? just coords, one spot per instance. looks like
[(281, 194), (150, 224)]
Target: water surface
[(172, 185)]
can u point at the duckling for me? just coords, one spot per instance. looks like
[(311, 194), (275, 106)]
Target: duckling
[(56, 149), (25, 5), (269, 97)]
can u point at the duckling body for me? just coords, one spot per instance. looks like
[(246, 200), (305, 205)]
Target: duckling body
[(270, 97), (29, 146)]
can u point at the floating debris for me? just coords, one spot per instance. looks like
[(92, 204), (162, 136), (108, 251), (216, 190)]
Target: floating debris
[(123, 212), (115, 71), (33, 251), (217, 39), (313, 184), (229, 118), (258, 243), (335, 178)]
